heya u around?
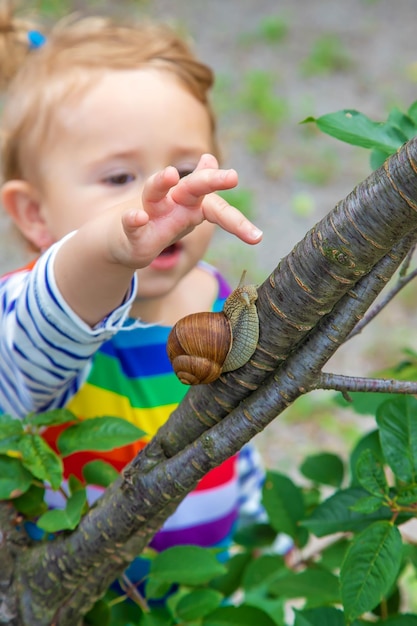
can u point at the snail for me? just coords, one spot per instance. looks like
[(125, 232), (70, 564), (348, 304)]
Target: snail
[(201, 346)]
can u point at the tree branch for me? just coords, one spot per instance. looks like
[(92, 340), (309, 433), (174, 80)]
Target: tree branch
[(338, 382), (11, 541)]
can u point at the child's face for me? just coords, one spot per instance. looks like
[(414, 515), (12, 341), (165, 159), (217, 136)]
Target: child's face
[(127, 126)]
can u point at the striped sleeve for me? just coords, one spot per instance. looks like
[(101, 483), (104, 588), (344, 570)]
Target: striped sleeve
[(45, 348), (251, 475)]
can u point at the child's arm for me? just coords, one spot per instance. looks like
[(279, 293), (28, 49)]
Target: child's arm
[(45, 348), (94, 269)]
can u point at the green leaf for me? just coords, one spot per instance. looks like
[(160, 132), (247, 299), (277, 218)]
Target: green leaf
[(369, 504), (284, 503), (186, 565), (242, 615), (14, 478), (197, 604), (397, 421), (370, 474), (323, 616), (100, 433), (11, 446), (55, 417), (66, 519), (324, 468), (159, 616), (370, 568), (9, 427), (357, 129), (32, 502), (74, 484), (99, 615), (263, 570), (370, 441), (274, 607), (157, 589), (318, 586), (336, 515), (407, 496), (11, 432), (231, 580), (402, 122), (41, 460), (99, 473), (412, 112), (377, 159), (255, 536)]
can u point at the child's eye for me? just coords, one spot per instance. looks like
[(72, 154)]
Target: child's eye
[(119, 179)]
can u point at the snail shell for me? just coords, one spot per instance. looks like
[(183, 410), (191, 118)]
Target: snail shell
[(203, 345), (198, 346)]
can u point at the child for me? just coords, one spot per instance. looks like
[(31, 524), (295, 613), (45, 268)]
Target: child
[(109, 166)]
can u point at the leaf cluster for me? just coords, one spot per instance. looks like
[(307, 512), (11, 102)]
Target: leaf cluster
[(29, 466), (381, 138), (358, 508)]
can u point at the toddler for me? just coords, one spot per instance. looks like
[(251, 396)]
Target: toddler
[(110, 170)]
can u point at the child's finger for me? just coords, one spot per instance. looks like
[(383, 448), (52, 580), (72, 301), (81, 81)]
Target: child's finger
[(132, 219), (192, 188), (207, 161), (158, 185), (218, 211)]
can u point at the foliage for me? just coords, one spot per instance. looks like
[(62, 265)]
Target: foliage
[(359, 509), (382, 138), (27, 462)]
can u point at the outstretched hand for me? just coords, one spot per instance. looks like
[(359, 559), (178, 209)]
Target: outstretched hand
[(173, 206), (94, 268)]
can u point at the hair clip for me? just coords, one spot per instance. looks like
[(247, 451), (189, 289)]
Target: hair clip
[(36, 39)]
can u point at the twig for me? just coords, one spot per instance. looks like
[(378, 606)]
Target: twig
[(404, 267), (402, 282), (338, 382), (133, 593)]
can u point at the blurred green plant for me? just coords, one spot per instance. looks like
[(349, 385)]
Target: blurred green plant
[(258, 97), (51, 8), (272, 29), (267, 110), (319, 171), (327, 55)]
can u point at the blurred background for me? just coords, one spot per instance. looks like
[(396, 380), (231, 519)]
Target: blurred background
[(277, 63)]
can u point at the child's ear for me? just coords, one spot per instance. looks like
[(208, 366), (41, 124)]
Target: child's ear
[(21, 200)]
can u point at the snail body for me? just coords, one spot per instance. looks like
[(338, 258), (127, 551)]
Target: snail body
[(202, 346)]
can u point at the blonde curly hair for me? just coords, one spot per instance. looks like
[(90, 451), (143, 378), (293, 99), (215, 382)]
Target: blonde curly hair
[(76, 51)]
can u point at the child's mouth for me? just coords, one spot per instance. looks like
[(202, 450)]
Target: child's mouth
[(168, 258)]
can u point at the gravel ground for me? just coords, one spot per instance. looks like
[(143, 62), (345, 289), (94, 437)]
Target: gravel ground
[(302, 174)]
